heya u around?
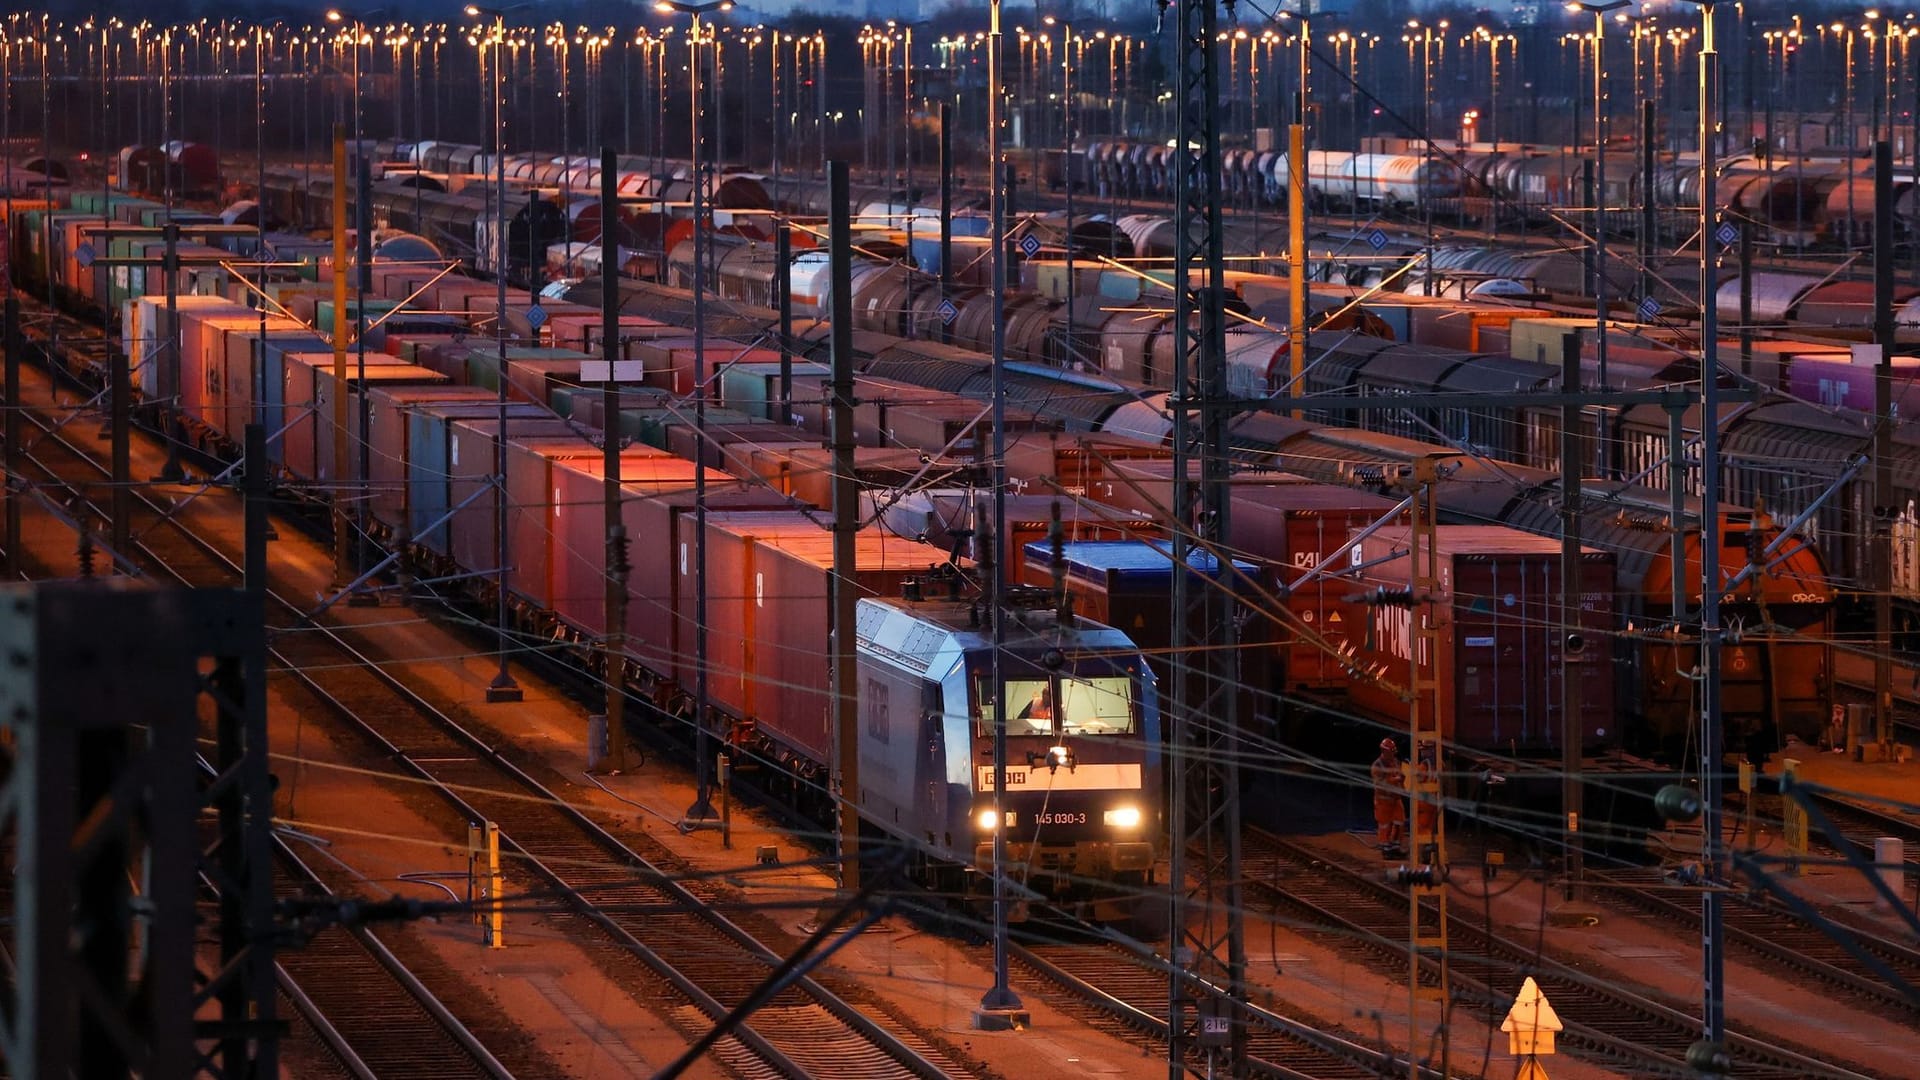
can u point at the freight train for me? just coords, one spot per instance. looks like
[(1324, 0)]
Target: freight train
[(1086, 402), (431, 427), (424, 189), (1491, 349), (1793, 200), (1787, 605), (443, 191), (1085, 787), (189, 170)]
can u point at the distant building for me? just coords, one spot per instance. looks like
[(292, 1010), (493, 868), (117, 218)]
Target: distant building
[(1533, 12)]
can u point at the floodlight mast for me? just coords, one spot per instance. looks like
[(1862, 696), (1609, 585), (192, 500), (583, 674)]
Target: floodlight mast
[(701, 814), (503, 689), (1712, 733)]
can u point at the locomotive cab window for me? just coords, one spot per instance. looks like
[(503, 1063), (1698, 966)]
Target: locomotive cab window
[(1093, 704)]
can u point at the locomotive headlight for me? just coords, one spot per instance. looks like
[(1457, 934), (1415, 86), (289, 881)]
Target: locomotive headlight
[(1124, 817), (985, 819)]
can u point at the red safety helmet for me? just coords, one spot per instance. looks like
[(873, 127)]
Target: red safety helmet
[(1388, 744)]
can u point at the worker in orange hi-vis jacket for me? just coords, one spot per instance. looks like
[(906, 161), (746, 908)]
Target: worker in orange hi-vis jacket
[(1389, 799)]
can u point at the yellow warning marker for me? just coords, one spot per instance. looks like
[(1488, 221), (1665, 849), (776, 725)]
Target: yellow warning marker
[(1530, 1026), (1793, 817), (484, 883), (497, 910), (1531, 1069)]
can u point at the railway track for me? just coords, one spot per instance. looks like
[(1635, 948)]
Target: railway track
[(662, 927), (1777, 937), (369, 1016), (1767, 930), (1123, 988), (376, 1018), (1604, 1022), (1854, 828)]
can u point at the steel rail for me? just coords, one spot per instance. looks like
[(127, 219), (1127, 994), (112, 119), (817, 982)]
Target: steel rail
[(907, 1059)]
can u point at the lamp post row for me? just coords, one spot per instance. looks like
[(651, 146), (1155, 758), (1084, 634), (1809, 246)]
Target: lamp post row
[(795, 63), (1880, 41)]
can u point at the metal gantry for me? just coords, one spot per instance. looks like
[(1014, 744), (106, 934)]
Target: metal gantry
[(99, 703), (1426, 877), (1713, 964), (1208, 932)]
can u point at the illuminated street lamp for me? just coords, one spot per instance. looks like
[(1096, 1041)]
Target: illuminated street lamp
[(1423, 35), (1493, 41), (363, 274), (701, 813), (1000, 1006), (1070, 116), (503, 688), (1599, 9), (1845, 34)]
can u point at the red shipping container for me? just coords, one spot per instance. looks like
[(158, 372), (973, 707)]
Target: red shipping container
[(203, 358), (580, 524), (656, 628), (535, 379), (728, 446), (1500, 637), (447, 356), (533, 497), (583, 332), (812, 394), (763, 463), (809, 471), (768, 607), (409, 347), (670, 362), (450, 294), (472, 464), (481, 305), (1294, 528), (1044, 462), (398, 283)]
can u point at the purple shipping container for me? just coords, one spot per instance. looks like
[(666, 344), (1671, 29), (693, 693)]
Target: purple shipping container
[(1500, 638), (1836, 382)]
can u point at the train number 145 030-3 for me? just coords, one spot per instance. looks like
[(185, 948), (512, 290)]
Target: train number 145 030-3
[(1063, 817)]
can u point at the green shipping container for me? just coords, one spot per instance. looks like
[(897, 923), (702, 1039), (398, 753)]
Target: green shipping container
[(483, 362)]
